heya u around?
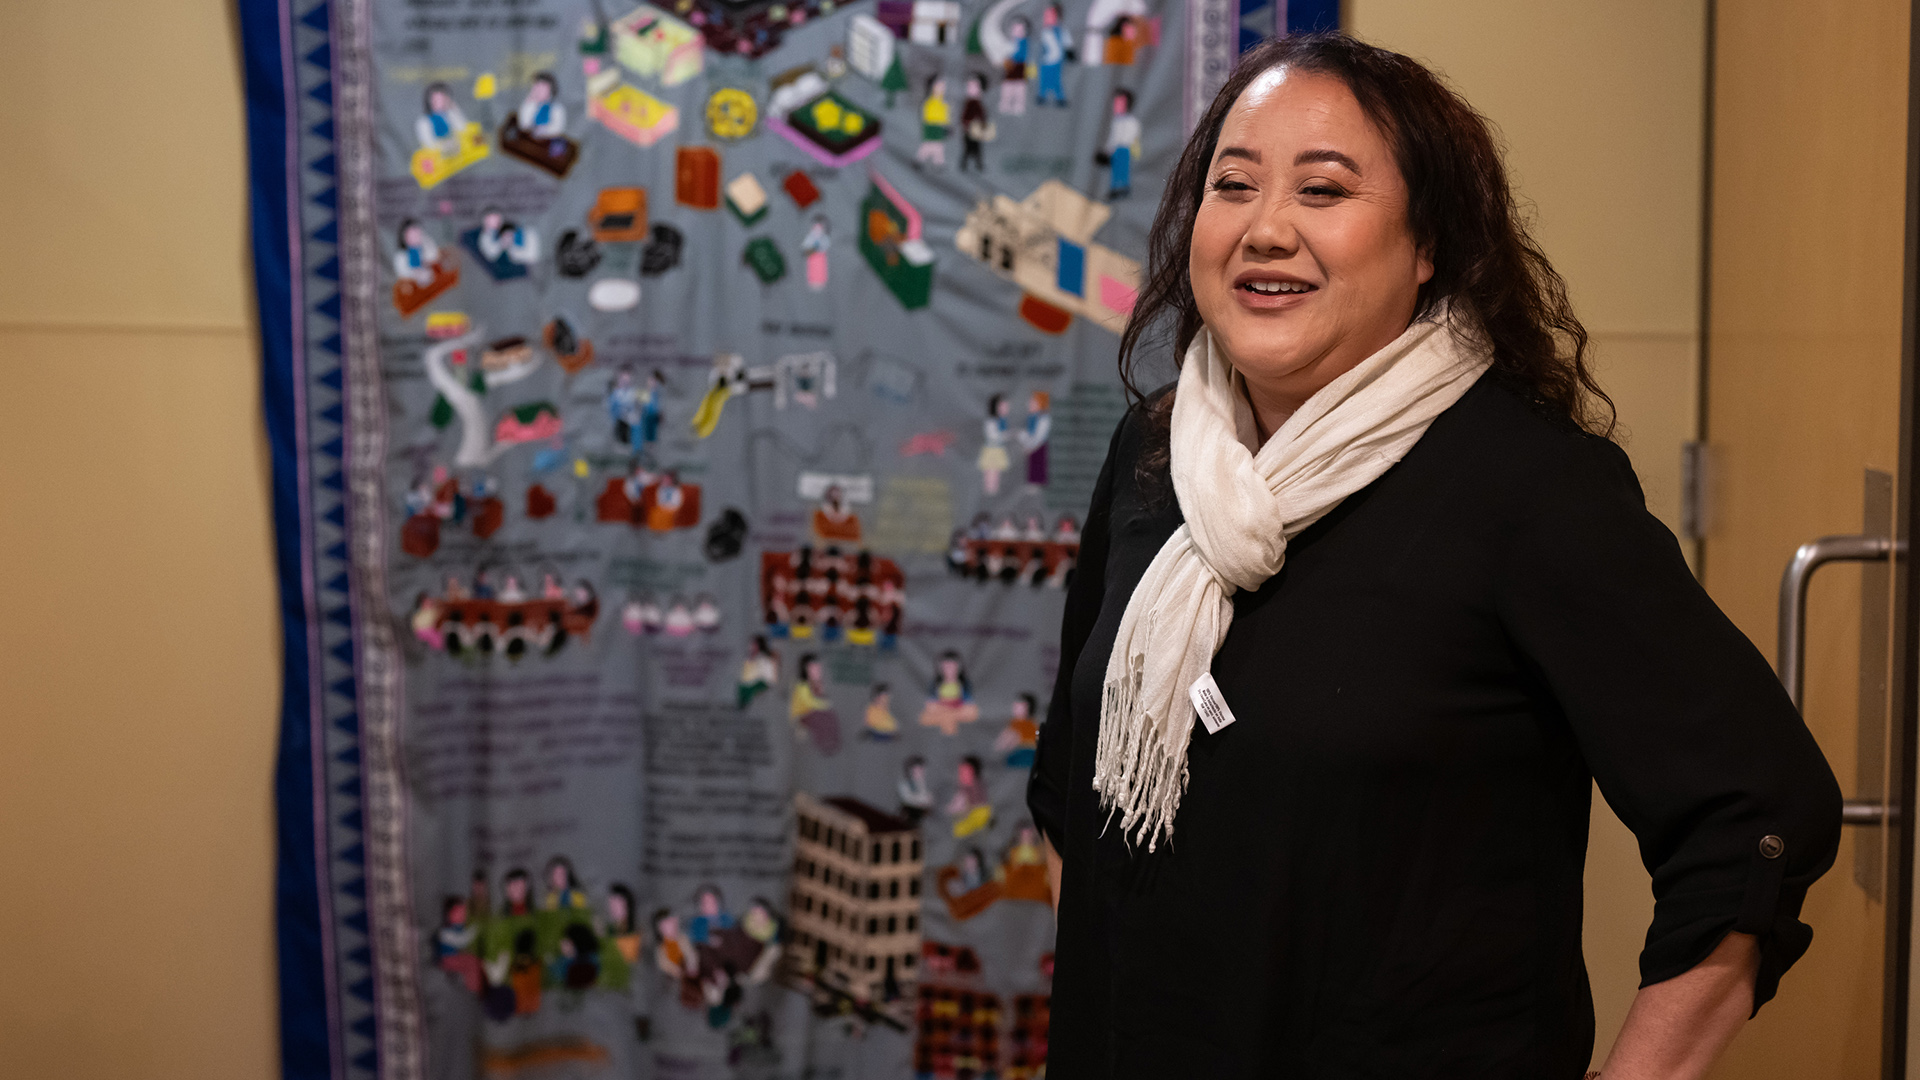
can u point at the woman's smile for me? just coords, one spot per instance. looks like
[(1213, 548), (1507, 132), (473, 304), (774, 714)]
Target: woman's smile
[(1264, 291)]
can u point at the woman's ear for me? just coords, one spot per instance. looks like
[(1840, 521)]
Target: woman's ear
[(1423, 263)]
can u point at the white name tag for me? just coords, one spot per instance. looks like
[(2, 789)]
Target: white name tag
[(1209, 704)]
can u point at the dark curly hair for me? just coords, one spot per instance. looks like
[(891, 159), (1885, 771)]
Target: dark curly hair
[(1486, 264)]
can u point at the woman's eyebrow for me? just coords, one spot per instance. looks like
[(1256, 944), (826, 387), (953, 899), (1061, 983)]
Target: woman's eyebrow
[(1239, 152), (1306, 157)]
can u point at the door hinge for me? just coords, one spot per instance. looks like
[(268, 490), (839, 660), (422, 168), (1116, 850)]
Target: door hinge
[(1696, 474)]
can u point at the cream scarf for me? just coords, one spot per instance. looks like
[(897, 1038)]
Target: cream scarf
[(1241, 505)]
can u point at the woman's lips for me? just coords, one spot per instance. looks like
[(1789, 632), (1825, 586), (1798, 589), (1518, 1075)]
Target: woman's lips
[(1269, 294)]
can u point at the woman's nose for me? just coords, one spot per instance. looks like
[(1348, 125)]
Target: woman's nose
[(1273, 231)]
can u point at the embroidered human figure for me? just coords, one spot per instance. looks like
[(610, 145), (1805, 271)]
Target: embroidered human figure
[(1123, 145), (1013, 80), (936, 117), (812, 714), (511, 591), (1034, 436), (993, 460), (969, 806), (815, 245), (916, 800), (759, 672), (442, 123), (1025, 849), (540, 114), (679, 619), (622, 942), (975, 129), (949, 698), (650, 410), (623, 406), (833, 522), (706, 615), (453, 943), (517, 894), (713, 917), (563, 890), (973, 869), (669, 498), (880, 721), (673, 953), (417, 256), (426, 621), (1019, 739), (500, 238), (1123, 40), (1056, 48)]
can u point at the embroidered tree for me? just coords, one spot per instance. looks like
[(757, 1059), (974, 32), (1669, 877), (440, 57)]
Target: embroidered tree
[(895, 80)]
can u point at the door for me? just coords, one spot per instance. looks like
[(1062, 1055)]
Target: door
[(1806, 286)]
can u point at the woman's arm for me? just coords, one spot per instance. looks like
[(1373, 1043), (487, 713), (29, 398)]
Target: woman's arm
[(1677, 1029), (1053, 873), (1691, 740)]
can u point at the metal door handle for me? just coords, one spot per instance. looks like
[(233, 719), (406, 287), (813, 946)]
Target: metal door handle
[(1793, 629)]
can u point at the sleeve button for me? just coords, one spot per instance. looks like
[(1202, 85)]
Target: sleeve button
[(1771, 847)]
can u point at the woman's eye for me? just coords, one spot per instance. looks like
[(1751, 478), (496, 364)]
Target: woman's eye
[(1322, 191), (1227, 184)]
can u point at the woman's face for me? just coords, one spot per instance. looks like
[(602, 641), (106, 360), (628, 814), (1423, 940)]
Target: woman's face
[(1302, 262)]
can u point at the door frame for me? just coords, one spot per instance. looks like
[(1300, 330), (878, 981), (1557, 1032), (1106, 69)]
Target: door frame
[(1904, 673)]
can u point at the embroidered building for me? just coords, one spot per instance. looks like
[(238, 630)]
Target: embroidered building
[(1044, 244), (855, 907), (956, 1023)]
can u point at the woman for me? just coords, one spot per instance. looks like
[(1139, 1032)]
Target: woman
[(1377, 535)]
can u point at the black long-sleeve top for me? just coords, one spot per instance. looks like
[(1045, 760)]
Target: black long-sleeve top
[(1376, 869)]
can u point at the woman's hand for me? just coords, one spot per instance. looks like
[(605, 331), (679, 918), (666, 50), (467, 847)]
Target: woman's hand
[(1678, 1028)]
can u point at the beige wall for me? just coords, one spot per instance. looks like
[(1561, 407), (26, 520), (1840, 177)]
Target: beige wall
[(1601, 105), (139, 655)]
